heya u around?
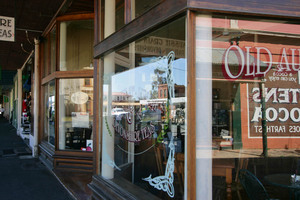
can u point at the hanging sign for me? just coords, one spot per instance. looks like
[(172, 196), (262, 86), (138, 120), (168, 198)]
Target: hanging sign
[(7, 29)]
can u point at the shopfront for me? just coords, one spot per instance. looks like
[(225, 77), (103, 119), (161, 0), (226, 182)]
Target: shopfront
[(26, 112), (14, 103), (188, 98), (66, 59)]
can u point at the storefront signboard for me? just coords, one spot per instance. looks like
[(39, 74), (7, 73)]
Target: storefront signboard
[(7, 29)]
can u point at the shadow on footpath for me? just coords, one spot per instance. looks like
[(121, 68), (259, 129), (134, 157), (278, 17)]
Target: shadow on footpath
[(22, 176)]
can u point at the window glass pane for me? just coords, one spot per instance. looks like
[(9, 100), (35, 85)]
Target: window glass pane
[(114, 16), (144, 134), (15, 113), (49, 113), (76, 45), (114, 13), (120, 15), (75, 114), (247, 107), (141, 6), (53, 50), (45, 46)]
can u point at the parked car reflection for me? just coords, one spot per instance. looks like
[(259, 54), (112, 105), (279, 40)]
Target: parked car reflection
[(118, 111)]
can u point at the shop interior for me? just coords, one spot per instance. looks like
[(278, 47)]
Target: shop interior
[(26, 114), (76, 114), (224, 108)]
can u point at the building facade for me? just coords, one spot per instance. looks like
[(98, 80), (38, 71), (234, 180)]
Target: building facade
[(168, 99)]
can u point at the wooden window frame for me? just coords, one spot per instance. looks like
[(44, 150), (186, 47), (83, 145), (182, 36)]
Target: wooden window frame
[(191, 104), (57, 75), (63, 74)]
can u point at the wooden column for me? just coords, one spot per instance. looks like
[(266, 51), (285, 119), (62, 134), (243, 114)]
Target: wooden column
[(190, 160), (36, 94)]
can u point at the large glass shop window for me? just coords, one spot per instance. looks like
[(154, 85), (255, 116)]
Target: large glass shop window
[(75, 114), (247, 111), (76, 45), (114, 15), (49, 112), (45, 60), (114, 12), (142, 6), (144, 132), (53, 50)]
